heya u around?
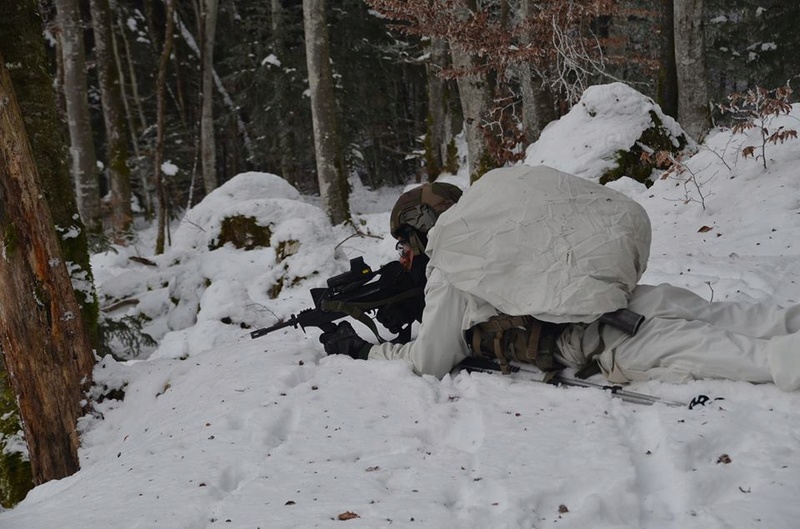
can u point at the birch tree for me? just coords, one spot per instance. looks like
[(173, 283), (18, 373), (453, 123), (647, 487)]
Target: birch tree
[(690, 55), (331, 175), (76, 95), (45, 348), (119, 174)]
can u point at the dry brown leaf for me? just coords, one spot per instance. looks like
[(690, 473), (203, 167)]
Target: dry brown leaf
[(348, 515), (704, 229)]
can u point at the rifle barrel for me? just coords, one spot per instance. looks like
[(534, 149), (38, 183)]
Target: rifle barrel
[(291, 322)]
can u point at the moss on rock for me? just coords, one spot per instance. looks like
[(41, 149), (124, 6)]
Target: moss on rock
[(243, 232), (632, 164)]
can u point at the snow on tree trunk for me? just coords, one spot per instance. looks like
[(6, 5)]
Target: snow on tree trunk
[(45, 348), (690, 57), (331, 175), (76, 96)]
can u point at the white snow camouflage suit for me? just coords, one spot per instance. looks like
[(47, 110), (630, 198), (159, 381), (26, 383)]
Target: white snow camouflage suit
[(536, 241)]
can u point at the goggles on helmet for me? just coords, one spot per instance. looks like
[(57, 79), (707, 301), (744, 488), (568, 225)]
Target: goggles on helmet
[(421, 217)]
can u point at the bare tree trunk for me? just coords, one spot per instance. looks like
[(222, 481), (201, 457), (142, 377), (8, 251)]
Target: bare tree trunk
[(690, 54), (76, 95), (133, 134), (435, 139), (538, 104), (45, 348), (286, 144), (161, 93), (148, 186), (475, 93), (473, 89), (667, 87), (21, 43), (331, 175), (119, 174), (208, 149)]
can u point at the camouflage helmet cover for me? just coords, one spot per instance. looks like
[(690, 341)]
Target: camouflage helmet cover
[(420, 207)]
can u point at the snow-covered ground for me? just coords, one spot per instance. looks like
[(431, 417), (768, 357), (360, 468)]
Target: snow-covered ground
[(219, 430)]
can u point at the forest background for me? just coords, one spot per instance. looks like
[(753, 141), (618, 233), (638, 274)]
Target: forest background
[(226, 86)]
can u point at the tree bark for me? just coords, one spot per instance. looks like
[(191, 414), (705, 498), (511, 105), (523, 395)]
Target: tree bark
[(667, 87), (119, 174), (76, 96), (331, 175), (21, 43), (208, 149), (46, 351), (690, 54), (475, 93), (161, 94), (538, 103), (285, 117), (436, 126)]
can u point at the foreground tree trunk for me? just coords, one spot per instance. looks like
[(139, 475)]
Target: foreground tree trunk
[(46, 352), (76, 96), (693, 112), (21, 43), (333, 186), (119, 174)]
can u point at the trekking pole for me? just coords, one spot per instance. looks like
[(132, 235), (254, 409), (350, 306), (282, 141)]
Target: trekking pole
[(489, 366), (616, 391)]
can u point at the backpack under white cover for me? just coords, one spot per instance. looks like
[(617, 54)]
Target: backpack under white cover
[(537, 241)]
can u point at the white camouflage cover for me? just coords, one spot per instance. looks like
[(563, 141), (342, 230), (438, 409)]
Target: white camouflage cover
[(537, 241)]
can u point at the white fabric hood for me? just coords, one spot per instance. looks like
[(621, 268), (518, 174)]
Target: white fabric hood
[(535, 240)]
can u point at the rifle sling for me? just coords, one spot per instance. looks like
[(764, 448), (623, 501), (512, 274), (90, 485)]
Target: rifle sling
[(357, 309)]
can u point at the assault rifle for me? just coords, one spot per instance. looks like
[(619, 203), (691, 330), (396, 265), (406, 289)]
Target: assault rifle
[(354, 293)]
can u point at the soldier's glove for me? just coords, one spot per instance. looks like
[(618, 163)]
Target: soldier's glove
[(393, 316), (344, 341)]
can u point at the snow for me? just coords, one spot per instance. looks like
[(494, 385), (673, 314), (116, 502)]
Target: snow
[(169, 168), (219, 430)]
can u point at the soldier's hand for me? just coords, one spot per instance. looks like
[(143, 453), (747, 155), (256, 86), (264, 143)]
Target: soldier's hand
[(393, 316), (344, 341)]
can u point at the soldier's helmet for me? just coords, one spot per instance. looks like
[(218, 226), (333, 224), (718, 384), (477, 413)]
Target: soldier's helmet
[(416, 211)]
